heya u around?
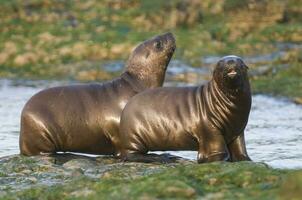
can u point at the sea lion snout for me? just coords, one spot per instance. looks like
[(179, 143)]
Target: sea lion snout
[(166, 41), (233, 65), (170, 39), (232, 73)]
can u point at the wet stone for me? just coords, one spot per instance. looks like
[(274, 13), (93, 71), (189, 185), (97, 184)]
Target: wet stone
[(181, 192), (19, 172), (79, 164), (82, 193)]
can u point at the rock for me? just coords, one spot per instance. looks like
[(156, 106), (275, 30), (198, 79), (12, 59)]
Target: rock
[(181, 72), (214, 196), (26, 171), (212, 181), (180, 192), (32, 179), (82, 193), (79, 164), (298, 100), (260, 71), (292, 186), (66, 176)]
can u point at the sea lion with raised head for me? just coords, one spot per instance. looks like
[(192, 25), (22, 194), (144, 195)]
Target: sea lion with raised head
[(83, 118), (210, 118)]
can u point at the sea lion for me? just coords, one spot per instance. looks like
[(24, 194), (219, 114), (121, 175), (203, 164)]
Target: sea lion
[(210, 118), (83, 118)]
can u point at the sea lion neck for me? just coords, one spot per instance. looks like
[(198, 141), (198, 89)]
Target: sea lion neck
[(147, 78), (225, 107), (136, 85), (227, 94)]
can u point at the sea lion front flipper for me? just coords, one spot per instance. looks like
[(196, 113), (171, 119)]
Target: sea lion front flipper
[(237, 149), (212, 148)]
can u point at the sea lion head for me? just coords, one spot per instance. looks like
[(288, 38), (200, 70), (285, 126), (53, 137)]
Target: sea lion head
[(230, 74), (149, 60)]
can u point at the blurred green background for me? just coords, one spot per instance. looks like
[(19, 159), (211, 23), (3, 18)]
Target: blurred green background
[(71, 39)]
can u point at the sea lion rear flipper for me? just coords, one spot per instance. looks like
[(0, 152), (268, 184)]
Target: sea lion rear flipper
[(150, 158)]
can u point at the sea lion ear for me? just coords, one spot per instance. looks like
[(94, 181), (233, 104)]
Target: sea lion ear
[(220, 64), (218, 69), (243, 64)]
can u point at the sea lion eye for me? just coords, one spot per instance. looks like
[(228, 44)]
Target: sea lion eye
[(158, 44)]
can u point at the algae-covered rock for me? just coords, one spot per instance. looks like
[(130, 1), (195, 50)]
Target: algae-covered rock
[(70, 176), (292, 186), (20, 172)]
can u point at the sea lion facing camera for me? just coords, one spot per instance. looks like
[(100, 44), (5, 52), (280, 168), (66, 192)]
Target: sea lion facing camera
[(210, 118), (83, 118)]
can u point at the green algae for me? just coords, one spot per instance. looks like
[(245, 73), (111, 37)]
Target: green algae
[(292, 186)]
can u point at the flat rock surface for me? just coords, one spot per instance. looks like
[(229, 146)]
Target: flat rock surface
[(20, 172)]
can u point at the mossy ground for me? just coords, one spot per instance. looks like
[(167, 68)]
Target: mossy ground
[(114, 180), (286, 81), (45, 38)]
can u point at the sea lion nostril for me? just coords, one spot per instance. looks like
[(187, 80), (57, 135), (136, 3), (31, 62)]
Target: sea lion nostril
[(231, 72)]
